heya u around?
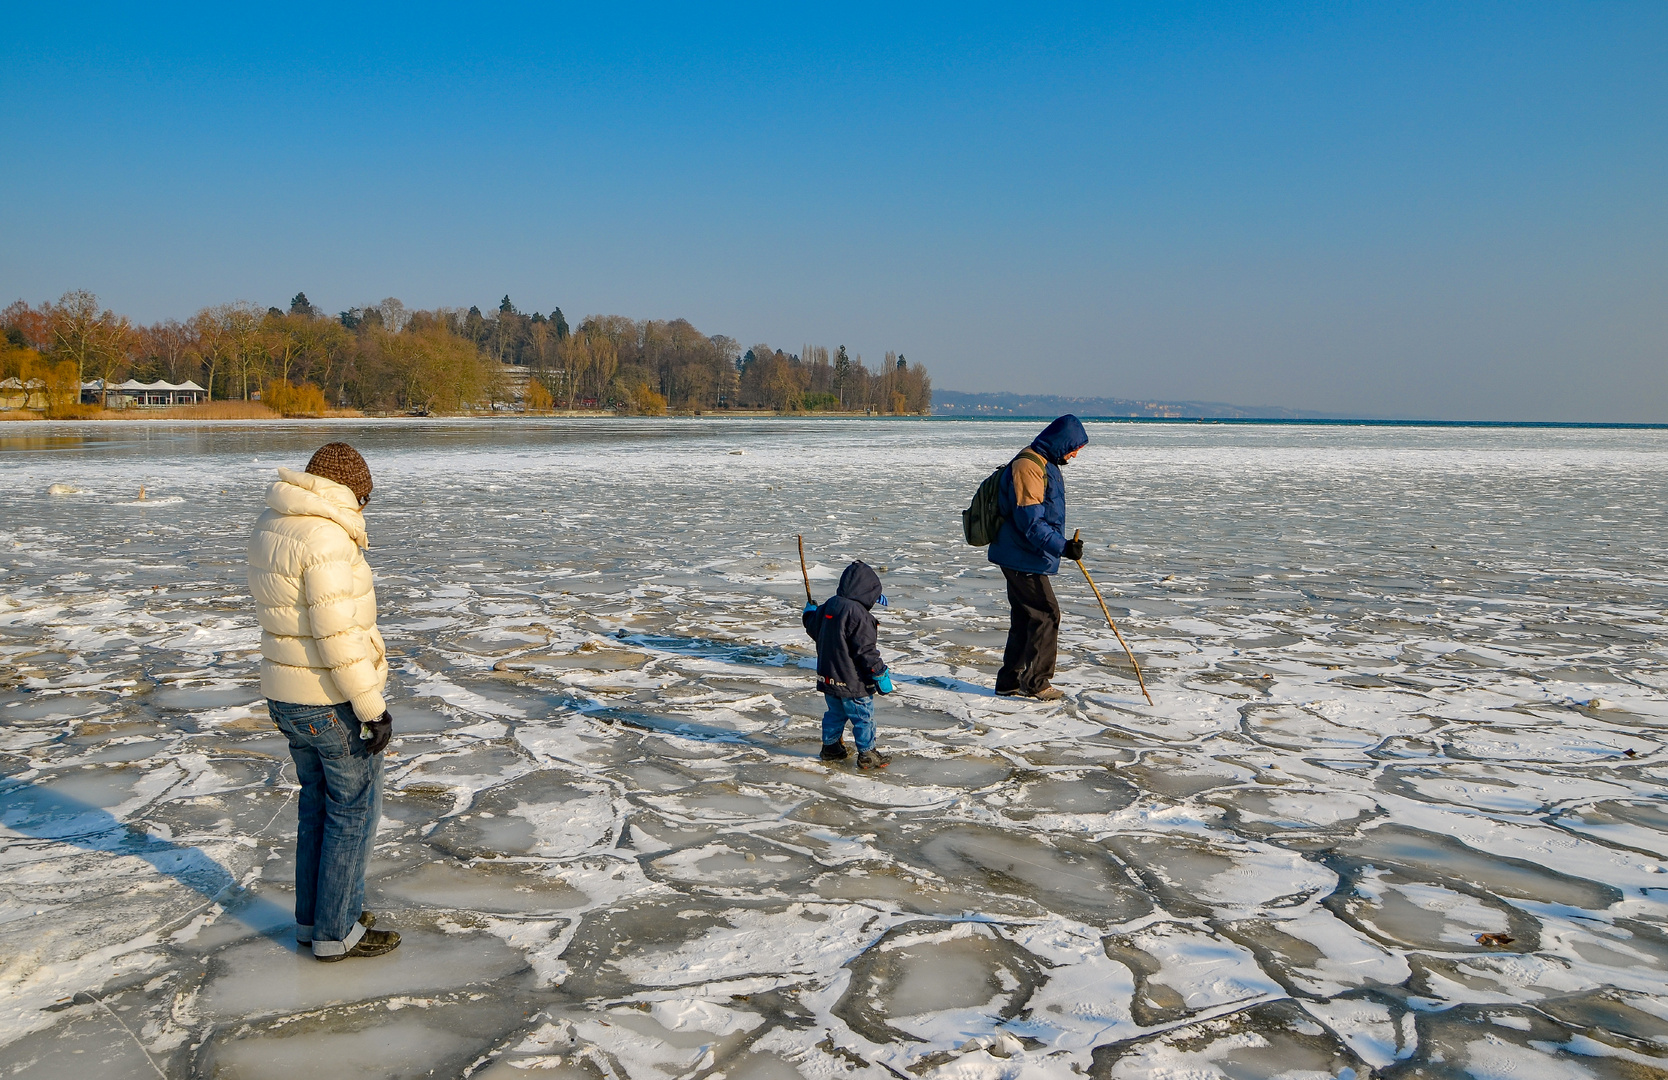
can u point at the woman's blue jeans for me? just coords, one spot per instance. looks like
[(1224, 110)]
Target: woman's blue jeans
[(860, 711), (341, 803)]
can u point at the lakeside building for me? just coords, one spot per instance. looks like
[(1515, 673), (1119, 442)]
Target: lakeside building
[(135, 394), (18, 394), (163, 393)]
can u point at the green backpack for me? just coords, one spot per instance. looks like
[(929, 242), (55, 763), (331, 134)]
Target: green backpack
[(981, 521)]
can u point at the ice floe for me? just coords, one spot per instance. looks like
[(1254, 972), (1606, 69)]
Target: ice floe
[(1410, 705)]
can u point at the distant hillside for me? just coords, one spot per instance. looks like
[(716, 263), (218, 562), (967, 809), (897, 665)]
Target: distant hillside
[(956, 403)]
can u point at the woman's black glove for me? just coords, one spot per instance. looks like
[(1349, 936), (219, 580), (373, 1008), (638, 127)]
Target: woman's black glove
[(381, 731), (1074, 550)]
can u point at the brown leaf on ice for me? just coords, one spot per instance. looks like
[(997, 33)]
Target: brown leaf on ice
[(1629, 751), (1494, 939)]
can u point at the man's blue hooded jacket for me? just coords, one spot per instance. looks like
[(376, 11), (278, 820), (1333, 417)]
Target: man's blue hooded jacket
[(1033, 533)]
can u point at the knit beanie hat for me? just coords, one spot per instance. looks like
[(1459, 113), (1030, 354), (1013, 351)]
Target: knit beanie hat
[(340, 462)]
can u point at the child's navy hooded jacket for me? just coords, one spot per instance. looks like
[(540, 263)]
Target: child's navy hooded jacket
[(1032, 501), (848, 658)]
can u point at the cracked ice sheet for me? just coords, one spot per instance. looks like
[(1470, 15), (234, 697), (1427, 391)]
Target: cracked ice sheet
[(1333, 650)]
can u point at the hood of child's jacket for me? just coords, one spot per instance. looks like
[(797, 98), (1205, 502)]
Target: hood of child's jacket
[(1060, 438), (860, 583)]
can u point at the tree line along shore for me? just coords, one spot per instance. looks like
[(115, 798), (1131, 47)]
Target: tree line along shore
[(64, 359)]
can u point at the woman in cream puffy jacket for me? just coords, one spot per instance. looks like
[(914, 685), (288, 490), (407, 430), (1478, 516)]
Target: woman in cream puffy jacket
[(316, 603), (323, 670)]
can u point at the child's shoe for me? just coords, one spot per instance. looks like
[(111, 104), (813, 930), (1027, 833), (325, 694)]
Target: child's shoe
[(872, 759), (834, 751)]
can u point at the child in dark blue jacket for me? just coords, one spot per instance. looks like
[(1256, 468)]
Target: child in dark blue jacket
[(849, 667)]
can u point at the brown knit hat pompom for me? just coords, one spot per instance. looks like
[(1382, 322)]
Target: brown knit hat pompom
[(340, 462)]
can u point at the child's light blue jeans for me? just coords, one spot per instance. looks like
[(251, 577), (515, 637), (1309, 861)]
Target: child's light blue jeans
[(859, 710)]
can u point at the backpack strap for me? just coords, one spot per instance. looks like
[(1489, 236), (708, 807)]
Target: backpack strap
[(1034, 488)]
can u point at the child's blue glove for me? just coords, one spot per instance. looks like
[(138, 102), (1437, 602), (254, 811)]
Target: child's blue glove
[(810, 606), (883, 682)]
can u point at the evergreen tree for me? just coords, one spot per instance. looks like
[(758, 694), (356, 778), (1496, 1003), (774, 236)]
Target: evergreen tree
[(300, 305), (842, 372), (561, 323)]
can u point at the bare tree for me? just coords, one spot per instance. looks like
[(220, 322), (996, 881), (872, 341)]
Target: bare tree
[(394, 314), (95, 340), (228, 338), (172, 344)]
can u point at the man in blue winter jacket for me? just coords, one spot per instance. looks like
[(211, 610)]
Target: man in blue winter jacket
[(849, 668), (1028, 547)]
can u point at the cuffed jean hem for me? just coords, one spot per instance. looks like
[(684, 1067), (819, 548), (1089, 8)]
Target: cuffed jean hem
[(337, 948), (303, 934)]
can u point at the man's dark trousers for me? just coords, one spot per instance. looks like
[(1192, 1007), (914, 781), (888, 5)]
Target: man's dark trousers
[(1033, 633)]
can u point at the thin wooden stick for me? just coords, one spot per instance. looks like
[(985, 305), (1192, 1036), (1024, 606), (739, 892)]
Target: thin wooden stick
[(1112, 624), (804, 572)]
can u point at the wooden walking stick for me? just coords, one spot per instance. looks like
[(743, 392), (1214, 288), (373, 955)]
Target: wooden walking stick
[(806, 573), (1077, 535)]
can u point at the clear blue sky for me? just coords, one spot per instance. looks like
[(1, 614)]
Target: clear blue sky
[(1448, 209)]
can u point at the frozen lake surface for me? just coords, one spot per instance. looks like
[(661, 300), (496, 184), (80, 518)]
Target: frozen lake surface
[(1409, 688)]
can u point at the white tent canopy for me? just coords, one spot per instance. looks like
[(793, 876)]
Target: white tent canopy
[(134, 384), (155, 393)]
